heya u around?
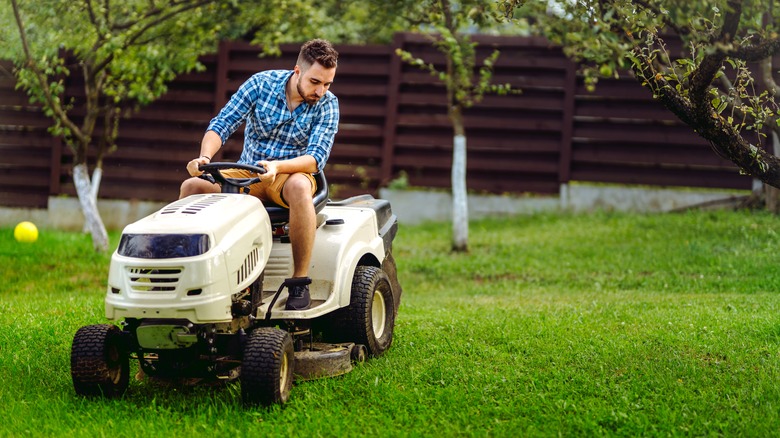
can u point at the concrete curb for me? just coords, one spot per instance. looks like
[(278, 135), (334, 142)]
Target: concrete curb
[(414, 207)]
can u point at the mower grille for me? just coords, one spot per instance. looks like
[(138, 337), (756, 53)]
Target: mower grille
[(249, 265), (154, 279)]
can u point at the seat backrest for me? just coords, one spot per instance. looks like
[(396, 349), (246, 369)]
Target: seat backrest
[(281, 215)]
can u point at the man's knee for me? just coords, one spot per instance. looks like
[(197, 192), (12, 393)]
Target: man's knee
[(298, 187), (192, 186)]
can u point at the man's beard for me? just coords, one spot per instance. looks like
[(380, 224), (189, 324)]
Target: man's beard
[(310, 99)]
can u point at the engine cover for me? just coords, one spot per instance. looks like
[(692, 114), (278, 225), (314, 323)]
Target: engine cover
[(188, 259)]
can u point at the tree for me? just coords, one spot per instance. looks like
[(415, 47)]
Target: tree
[(712, 86), (465, 83)]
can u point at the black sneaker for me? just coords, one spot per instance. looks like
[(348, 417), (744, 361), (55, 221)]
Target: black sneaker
[(298, 298)]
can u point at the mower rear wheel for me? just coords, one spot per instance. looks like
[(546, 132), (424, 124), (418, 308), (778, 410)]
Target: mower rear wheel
[(99, 364), (370, 317), (267, 368)]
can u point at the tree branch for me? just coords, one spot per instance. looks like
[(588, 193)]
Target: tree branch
[(660, 87), (766, 74), (92, 17), (756, 52), (96, 24), (151, 12), (724, 139), (703, 75)]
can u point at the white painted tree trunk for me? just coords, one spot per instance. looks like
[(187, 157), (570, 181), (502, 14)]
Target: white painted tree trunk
[(89, 208), (97, 176), (460, 210)]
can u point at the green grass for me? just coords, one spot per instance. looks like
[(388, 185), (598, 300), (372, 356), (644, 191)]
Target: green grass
[(604, 324)]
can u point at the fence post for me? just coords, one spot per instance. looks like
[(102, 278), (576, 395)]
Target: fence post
[(391, 110), (221, 81), (569, 100), (221, 75)]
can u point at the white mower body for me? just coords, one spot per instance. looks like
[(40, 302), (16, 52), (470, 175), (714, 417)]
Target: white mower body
[(200, 288)]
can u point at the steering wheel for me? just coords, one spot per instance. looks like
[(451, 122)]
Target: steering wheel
[(230, 185)]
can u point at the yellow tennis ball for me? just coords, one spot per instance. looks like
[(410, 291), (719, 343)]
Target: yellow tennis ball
[(26, 232)]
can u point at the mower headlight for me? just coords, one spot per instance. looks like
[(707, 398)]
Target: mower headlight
[(163, 246)]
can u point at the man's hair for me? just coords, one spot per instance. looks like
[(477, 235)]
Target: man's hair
[(320, 51)]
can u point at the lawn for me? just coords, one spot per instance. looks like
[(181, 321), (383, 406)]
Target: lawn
[(552, 324)]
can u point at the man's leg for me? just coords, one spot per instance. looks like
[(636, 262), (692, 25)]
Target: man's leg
[(194, 185), (303, 222)]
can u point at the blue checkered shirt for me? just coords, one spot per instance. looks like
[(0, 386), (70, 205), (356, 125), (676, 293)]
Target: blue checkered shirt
[(272, 133)]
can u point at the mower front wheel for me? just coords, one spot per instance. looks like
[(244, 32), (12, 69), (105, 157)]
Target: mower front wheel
[(267, 368), (99, 364)]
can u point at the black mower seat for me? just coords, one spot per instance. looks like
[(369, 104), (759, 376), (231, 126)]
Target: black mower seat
[(281, 215)]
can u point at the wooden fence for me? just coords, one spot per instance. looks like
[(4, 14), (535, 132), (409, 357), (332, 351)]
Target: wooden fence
[(393, 120)]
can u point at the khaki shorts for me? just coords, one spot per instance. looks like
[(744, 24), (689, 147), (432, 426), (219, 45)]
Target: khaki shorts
[(268, 191)]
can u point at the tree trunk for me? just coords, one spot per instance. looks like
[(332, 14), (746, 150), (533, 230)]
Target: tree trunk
[(460, 210), (89, 208), (772, 194), (97, 176)]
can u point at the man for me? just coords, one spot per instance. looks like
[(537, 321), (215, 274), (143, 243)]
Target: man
[(291, 119)]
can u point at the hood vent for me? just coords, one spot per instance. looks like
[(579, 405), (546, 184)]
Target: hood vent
[(193, 206)]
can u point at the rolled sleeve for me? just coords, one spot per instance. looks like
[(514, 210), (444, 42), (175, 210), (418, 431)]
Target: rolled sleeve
[(323, 132)]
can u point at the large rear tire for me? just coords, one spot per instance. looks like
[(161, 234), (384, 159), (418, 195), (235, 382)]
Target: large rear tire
[(99, 364), (267, 368)]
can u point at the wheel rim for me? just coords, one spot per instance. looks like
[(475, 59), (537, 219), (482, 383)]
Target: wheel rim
[(283, 375), (114, 365), (378, 314)]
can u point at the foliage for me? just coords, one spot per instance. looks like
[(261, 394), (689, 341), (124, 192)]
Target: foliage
[(605, 324), (399, 183), (465, 93), (447, 23), (708, 84), (376, 21), (362, 22), (270, 23)]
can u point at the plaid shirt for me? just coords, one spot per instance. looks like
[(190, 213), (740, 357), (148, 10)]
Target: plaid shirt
[(272, 133)]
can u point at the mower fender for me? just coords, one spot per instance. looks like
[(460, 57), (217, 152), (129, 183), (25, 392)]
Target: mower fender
[(338, 249)]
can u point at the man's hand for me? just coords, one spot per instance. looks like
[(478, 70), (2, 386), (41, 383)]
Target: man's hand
[(271, 170), (192, 166)]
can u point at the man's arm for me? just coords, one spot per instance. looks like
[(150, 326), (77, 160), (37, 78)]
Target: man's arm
[(209, 147), (323, 132), (225, 123), (303, 164)]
